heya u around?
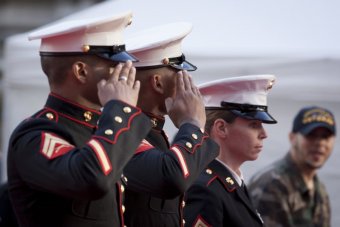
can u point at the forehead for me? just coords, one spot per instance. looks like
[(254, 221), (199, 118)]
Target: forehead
[(241, 120)]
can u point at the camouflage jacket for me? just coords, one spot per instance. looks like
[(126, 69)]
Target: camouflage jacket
[(283, 199)]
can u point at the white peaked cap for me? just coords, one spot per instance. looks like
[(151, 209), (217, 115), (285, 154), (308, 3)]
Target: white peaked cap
[(73, 35), (158, 46), (246, 93)]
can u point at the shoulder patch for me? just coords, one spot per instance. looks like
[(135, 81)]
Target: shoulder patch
[(53, 146)]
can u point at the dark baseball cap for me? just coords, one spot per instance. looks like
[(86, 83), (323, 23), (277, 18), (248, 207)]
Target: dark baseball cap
[(312, 117)]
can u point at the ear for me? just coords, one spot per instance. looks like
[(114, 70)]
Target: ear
[(80, 71), (220, 128), (157, 83), (292, 137)]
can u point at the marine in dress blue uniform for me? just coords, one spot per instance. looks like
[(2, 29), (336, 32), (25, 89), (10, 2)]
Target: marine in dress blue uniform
[(161, 171), (65, 162), (219, 196)]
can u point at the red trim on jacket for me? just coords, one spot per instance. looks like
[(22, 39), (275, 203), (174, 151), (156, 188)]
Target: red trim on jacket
[(229, 189), (121, 130), (192, 151), (74, 103), (46, 110), (144, 146), (71, 118), (120, 204)]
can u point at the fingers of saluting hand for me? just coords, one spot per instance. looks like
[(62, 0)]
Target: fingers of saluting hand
[(189, 83), (131, 76), (125, 74), (115, 72), (193, 87), (197, 92), (186, 80), (180, 82)]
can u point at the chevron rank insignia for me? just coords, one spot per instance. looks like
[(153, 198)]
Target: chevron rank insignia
[(53, 146)]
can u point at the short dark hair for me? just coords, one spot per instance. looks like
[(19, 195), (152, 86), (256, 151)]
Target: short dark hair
[(56, 68), (213, 115)]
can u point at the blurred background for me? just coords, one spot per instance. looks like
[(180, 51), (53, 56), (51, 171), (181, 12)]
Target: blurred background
[(298, 41)]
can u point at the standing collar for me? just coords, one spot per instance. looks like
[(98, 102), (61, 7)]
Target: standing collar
[(73, 111), (238, 178), (157, 122)]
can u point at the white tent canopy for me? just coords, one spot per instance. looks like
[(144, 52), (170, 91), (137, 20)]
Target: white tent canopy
[(298, 41)]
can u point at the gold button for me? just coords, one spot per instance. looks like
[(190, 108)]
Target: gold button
[(229, 180), (270, 84), (183, 222), (118, 119), (208, 171), (127, 109), (108, 132), (165, 61), (86, 48), (194, 136), (130, 21), (188, 144), (153, 122), (122, 188), (125, 179), (183, 204), (49, 116), (123, 208), (88, 116)]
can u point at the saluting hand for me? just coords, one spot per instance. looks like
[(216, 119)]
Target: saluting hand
[(187, 106), (121, 85)]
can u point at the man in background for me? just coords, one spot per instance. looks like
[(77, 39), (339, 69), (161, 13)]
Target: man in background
[(289, 193)]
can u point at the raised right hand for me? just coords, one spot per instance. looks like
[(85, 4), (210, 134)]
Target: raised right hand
[(187, 106), (121, 85)]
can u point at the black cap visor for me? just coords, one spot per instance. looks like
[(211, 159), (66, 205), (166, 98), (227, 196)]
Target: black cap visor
[(310, 127), (116, 53), (181, 64), (177, 62), (185, 65), (251, 112), (256, 115), (118, 57)]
